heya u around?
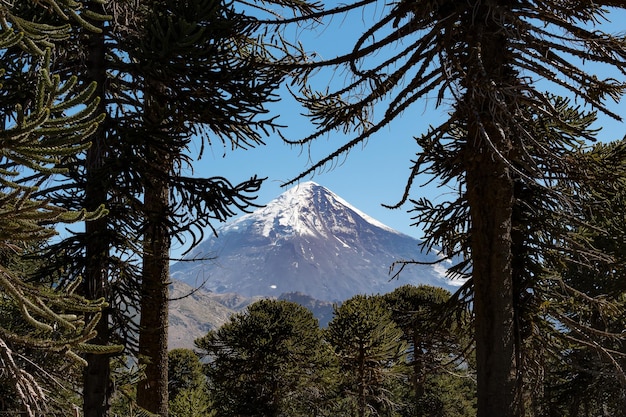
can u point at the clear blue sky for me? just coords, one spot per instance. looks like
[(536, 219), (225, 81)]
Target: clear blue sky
[(368, 176)]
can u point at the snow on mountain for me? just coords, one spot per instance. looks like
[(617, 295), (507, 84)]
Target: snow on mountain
[(299, 211), (307, 240)]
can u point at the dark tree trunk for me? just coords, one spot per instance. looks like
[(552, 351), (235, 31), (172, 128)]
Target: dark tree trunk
[(96, 375), (152, 393), (491, 198), (490, 192), (519, 270)]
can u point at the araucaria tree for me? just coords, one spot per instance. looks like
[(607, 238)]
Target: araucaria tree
[(167, 72), (45, 118), (371, 352), (203, 70), (573, 319), (439, 348), (268, 361), (483, 60)]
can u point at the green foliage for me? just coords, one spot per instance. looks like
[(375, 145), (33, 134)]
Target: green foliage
[(39, 138), (125, 375), (184, 371), (187, 387), (192, 403), (506, 145), (274, 360), (576, 351), (269, 361), (448, 394), (441, 379), (45, 120), (371, 353)]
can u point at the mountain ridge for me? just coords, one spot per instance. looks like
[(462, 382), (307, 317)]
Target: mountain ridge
[(308, 240)]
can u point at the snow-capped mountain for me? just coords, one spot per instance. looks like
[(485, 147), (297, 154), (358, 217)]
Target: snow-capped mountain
[(308, 240)]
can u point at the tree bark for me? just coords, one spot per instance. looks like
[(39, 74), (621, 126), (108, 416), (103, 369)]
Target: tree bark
[(489, 102), (96, 375), (491, 198), (152, 392)]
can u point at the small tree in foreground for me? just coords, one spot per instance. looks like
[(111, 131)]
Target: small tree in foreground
[(371, 355), (268, 361)]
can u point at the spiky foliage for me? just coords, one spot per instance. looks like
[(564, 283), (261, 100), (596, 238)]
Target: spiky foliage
[(270, 360), (45, 119), (167, 71), (573, 312), (371, 351), (566, 261), (35, 29), (482, 60), (173, 47), (439, 350)]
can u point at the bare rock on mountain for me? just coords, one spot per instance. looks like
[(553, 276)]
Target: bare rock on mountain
[(194, 311), (308, 241)]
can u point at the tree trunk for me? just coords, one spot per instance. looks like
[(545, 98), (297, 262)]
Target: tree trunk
[(361, 402), (490, 194), (96, 375), (152, 392), (490, 199)]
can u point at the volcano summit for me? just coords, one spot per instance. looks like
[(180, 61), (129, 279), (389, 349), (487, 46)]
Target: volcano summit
[(308, 240)]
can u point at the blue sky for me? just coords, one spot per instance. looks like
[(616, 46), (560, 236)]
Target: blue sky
[(367, 176)]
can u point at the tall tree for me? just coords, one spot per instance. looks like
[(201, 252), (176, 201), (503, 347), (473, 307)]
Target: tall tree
[(45, 119), (543, 225), (167, 71), (268, 361), (97, 248), (483, 58), (180, 42)]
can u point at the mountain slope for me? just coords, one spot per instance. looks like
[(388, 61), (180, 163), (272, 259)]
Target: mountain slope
[(193, 312), (308, 240)]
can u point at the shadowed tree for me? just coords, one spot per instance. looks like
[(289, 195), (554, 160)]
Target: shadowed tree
[(573, 314), (184, 45), (370, 351), (483, 60), (44, 119), (167, 71), (185, 371), (551, 229), (268, 361)]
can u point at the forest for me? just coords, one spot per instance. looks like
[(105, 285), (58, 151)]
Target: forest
[(102, 100)]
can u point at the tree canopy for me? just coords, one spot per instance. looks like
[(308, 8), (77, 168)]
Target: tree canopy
[(107, 96), (482, 61), (45, 118), (268, 361)]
